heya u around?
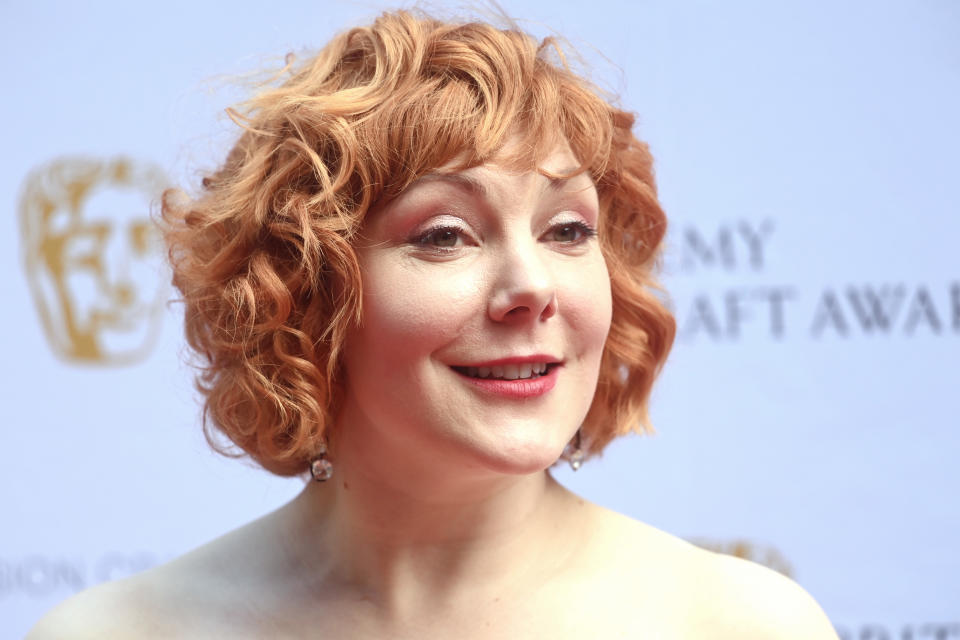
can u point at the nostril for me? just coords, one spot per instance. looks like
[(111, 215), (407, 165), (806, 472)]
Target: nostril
[(525, 305)]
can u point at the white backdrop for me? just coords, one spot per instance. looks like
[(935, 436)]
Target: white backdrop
[(808, 417)]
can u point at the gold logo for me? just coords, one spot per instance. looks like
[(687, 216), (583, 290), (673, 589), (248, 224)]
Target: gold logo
[(92, 257)]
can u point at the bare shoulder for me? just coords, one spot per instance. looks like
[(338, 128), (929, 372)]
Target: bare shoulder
[(749, 600), (703, 594), (118, 609), (184, 596)]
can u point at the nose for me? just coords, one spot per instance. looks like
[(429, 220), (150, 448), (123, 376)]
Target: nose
[(524, 289)]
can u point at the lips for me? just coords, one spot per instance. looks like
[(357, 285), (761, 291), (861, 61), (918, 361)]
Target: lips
[(523, 377)]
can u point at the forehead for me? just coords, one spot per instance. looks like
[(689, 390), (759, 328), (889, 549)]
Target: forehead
[(558, 171), (517, 170)]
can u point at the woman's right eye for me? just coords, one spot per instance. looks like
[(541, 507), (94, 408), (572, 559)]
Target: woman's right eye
[(441, 238)]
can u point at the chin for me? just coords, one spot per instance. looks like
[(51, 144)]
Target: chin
[(519, 460)]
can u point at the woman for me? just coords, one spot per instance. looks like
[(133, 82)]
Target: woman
[(422, 276)]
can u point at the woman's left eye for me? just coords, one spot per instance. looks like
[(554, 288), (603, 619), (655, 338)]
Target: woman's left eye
[(570, 232)]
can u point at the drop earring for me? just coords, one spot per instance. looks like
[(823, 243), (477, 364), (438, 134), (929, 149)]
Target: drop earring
[(321, 469), (574, 453)]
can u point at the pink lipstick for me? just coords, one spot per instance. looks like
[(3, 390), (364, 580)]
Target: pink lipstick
[(515, 377)]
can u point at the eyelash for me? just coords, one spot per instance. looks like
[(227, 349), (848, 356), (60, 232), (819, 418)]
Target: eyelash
[(423, 240), (585, 230)]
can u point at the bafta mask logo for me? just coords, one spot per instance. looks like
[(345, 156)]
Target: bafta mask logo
[(93, 257)]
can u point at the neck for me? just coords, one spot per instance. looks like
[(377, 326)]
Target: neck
[(409, 533)]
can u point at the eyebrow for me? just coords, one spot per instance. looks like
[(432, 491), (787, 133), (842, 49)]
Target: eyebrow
[(464, 182), (474, 187)]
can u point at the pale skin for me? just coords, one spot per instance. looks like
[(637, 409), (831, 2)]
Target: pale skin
[(441, 520)]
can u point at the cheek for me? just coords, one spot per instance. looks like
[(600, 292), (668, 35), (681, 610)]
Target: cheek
[(587, 302), (412, 310)]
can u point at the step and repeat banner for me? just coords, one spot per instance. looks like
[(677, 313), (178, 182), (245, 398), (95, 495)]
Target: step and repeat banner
[(808, 418)]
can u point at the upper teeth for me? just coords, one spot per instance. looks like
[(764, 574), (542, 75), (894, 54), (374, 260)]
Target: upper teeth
[(509, 371)]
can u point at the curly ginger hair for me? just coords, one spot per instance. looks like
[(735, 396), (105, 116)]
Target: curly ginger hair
[(263, 255)]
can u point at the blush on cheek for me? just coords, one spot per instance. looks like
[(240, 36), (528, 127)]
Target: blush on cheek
[(421, 304), (589, 307)]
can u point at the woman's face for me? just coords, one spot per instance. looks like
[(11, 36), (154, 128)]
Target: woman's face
[(486, 305)]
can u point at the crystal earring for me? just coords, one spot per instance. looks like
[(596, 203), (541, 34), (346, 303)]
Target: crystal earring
[(320, 468), (573, 453)]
